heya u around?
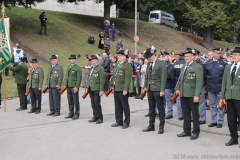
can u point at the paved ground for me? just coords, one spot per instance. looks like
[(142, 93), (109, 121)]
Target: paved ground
[(30, 136)]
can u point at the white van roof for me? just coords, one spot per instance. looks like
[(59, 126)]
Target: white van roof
[(157, 11)]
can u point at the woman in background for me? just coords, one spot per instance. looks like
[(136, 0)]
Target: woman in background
[(101, 40)]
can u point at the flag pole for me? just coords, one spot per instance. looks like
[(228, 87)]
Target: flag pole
[(4, 76)]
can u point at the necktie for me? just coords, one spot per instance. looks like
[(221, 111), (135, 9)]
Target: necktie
[(69, 69), (116, 70), (52, 69), (151, 66), (185, 70), (233, 73)]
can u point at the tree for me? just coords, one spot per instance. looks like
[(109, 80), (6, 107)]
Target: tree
[(207, 15)]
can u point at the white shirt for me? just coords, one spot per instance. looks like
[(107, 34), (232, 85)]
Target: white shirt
[(153, 63), (238, 64), (187, 65)]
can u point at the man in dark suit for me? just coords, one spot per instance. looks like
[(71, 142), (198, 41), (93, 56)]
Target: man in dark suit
[(96, 89), (230, 94), (54, 82), (106, 65), (73, 81), (189, 88), (21, 73), (120, 82), (155, 82)]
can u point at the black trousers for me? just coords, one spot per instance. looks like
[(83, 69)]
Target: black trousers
[(43, 25), (121, 105), (106, 85), (73, 100), (36, 98), (96, 104), (233, 116), (154, 99), (189, 106), (21, 94), (54, 100)]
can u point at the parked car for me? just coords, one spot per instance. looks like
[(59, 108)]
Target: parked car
[(162, 18)]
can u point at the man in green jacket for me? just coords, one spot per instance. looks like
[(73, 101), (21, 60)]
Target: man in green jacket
[(54, 81), (230, 94), (120, 82), (96, 88), (21, 73), (35, 86), (155, 82), (73, 81), (189, 87)]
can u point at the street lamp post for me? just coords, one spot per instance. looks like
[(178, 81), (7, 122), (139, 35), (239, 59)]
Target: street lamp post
[(135, 43)]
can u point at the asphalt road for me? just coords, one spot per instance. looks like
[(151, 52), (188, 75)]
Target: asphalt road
[(26, 136)]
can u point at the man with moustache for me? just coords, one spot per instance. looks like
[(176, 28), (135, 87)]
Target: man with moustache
[(96, 89), (231, 96), (155, 82), (73, 81), (54, 82), (189, 88), (120, 82)]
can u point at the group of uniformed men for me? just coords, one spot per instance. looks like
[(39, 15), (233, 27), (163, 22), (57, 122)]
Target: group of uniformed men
[(190, 83)]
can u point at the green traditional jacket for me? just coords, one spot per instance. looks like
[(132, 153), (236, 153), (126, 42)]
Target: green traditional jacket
[(97, 78), (156, 78), (73, 76), (230, 90), (36, 78), (21, 73), (55, 76), (121, 76), (190, 84)]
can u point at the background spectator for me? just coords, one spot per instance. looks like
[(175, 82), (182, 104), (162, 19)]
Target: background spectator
[(43, 20), (91, 39), (106, 65), (113, 31), (101, 40), (119, 45), (107, 45)]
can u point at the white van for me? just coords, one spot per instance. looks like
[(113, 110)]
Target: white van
[(162, 18)]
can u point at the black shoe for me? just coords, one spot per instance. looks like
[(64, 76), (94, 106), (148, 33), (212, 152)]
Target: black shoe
[(69, 116), (99, 121), (183, 134), (202, 122), (181, 118), (194, 136), (92, 120), (20, 109), (231, 142), (219, 125), (56, 114), (147, 115), (161, 131), (191, 120), (37, 112), (75, 117), (125, 125), (116, 124), (31, 111), (51, 113), (212, 125), (169, 117), (149, 128)]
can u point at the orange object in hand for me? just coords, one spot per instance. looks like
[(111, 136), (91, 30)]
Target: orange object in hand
[(173, 98)]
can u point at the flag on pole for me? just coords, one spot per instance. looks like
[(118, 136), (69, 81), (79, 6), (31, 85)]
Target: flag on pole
[(5, 58)]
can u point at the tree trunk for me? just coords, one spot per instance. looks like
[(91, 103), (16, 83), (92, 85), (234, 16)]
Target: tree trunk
[(208, 35), (107, 5)]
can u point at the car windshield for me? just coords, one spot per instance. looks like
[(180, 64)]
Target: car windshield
[(154, 15)]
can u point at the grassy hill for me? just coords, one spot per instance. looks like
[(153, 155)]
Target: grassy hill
[(68, 33)]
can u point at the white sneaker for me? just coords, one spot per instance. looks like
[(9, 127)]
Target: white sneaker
[(145, 97)]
